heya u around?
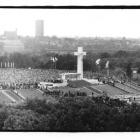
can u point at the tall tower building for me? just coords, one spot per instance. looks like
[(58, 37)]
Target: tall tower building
[(39, 28)]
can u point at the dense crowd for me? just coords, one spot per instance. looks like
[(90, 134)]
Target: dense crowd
[(61, 93), (25, 78), (28, 78)]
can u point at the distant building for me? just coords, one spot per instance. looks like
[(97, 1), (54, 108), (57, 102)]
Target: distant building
[(39, 28), (11, 43), (11, 46), (12, 35)]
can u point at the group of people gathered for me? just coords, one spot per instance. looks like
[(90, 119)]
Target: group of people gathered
[(58, 93), (25, 78)]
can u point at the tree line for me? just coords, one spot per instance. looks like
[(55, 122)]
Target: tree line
[(96, 114), (120, 59)]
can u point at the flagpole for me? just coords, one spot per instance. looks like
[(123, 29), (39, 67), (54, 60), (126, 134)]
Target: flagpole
[(55, 64), (107, 72), (98, 69), (98, 65), (91, 69), (107, 68), (52, 64)]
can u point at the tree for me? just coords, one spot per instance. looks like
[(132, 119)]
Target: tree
[(3, 116), (21, 120), (121, 54), (105, 55), (129, 70)]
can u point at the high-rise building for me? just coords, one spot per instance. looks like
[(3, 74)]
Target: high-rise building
[(39, 28)]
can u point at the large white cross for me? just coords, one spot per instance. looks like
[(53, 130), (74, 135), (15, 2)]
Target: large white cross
[(80, 55)]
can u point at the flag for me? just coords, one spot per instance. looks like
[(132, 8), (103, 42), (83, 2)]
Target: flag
[(52, 59), (98, 61), (55, 59), (107, 64)]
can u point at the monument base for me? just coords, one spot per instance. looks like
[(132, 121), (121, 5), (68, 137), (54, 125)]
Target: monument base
[(92, 81)]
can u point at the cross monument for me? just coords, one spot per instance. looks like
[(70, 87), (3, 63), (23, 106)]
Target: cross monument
[(80, 55)]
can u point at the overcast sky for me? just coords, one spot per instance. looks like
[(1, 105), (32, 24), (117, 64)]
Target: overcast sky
[(69, 2), (72, 23)]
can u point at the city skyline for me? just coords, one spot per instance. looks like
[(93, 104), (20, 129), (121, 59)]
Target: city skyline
[(72, 23)]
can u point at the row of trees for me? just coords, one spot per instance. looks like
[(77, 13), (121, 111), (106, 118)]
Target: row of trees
[(72, 114), (96, 44), (119, 59)]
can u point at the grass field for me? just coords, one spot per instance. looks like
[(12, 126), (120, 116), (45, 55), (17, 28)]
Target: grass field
[(110, 90), (31, 93), (98, 90), (4, 99), (14, 96), (134, 86), (127, 88), (9, 97)]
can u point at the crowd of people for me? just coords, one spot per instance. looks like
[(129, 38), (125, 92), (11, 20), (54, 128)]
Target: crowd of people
[(28, 78), (25, 78), (12, 78), (60, 93)]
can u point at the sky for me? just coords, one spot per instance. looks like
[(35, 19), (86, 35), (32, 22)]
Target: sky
[(73, 22), (69, 2)]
